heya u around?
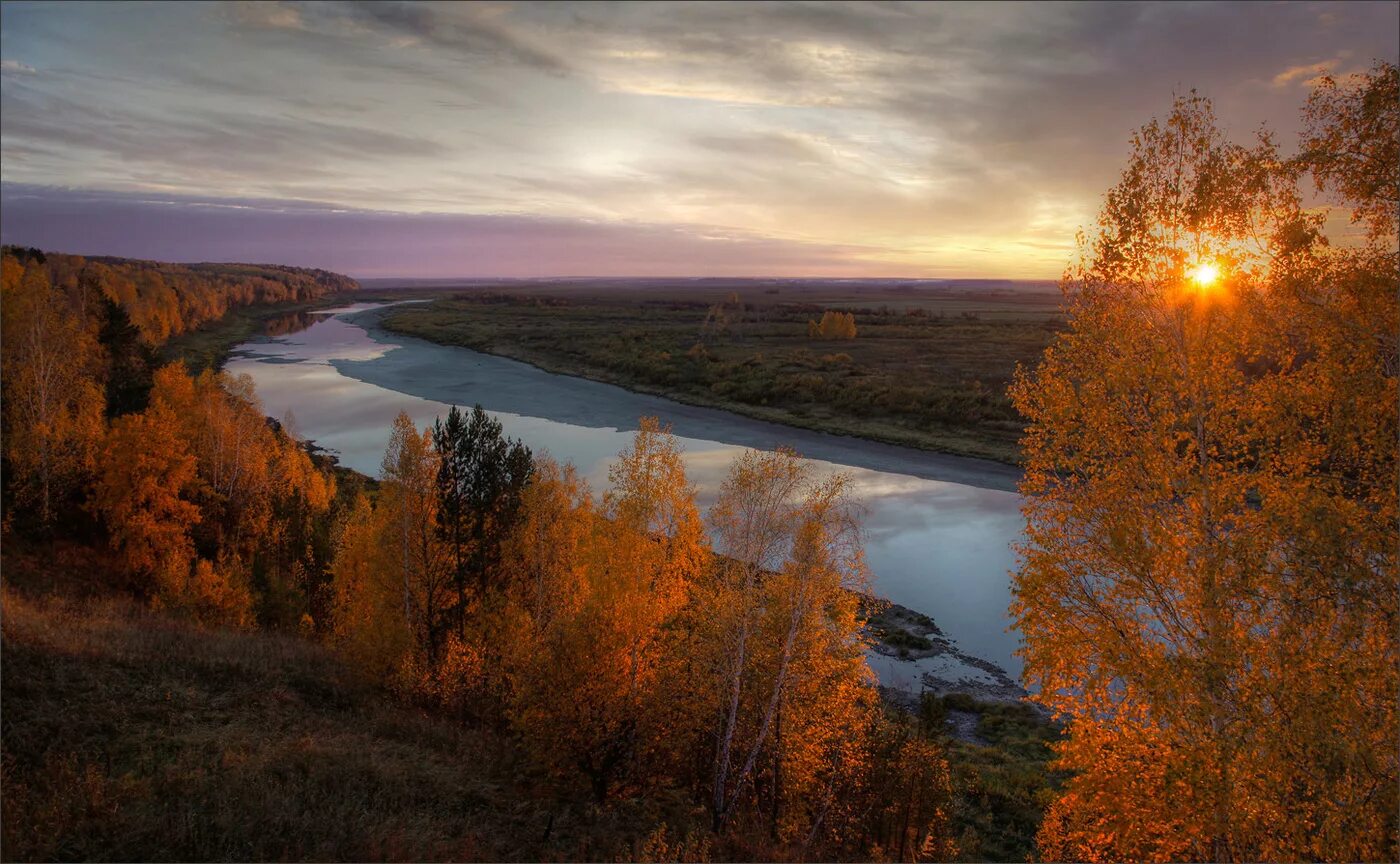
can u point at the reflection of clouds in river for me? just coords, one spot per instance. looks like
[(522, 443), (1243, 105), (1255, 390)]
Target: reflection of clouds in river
[(938, 547)]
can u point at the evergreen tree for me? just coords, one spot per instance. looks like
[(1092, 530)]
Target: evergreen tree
[(130, 359), (481, 476)]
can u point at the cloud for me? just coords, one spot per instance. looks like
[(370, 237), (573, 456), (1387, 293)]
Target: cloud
[(470, 31), (8, 66), (199, 144), (1309, 73), (265, 14), (376, 243), (962, 138)]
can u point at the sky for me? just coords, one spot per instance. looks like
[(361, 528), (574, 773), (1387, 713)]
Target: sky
[(622, 139)]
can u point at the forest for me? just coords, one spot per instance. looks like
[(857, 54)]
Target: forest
[(1208, 588)]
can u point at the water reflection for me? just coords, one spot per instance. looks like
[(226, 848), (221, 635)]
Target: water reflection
[(292, 322), (939, 547)]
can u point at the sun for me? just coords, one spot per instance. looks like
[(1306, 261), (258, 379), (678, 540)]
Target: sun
[(1204, 274)]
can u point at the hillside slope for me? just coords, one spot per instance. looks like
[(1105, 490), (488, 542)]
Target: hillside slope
[(129, 734)]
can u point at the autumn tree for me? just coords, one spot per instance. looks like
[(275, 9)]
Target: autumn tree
[(588, 701), (51, 369), (1209, 591), (777, 625), (899, 806), (409, 496), (834, 325), (544, 553), (142, 494), (1352, 146), (724, 318), (257, 489), (373, 606)]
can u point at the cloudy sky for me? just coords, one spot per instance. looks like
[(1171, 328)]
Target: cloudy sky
[(515, 139)]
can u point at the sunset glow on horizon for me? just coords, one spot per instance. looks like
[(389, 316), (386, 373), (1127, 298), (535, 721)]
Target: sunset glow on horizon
[(521, 139)]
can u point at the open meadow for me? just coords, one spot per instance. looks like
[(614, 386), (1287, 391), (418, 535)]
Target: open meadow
[(928, 366)]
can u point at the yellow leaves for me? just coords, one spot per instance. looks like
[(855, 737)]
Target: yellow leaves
[(834, 325), (53, 401), (373, 607), (146, 470), (1210, 530)]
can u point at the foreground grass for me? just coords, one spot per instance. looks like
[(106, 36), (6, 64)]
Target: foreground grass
[(928, 372), (131, 735)]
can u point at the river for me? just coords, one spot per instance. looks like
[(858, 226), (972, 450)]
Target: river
[(939, 528)]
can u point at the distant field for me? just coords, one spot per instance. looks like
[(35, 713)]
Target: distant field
[(929, 366)]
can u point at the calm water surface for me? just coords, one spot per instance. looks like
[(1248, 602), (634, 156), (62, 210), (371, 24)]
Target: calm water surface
[(942, 548)]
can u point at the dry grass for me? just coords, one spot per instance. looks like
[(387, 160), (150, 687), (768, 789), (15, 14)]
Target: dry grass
[(131, 735)]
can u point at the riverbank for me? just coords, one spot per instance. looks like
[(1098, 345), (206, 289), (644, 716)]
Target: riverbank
[(437, 371), (910, 654), (929, 373), (209, 346), (913, 658)]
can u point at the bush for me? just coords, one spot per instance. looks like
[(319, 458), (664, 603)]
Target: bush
[(834, 325)]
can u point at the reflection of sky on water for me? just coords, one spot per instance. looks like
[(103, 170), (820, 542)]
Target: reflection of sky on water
[(940, 548)]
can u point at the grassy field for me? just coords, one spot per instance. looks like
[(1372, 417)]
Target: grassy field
[(928, 368)]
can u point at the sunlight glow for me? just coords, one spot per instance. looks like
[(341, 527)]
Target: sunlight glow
[(1204, 274)]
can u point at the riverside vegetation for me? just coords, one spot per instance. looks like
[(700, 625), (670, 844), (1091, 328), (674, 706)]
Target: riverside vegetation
[(917, 366)]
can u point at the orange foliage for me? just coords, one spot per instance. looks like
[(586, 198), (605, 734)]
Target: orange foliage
[(51, 370), (142, 494), (780, 624), (371, 609), (612, 644), (834, 325), (1209, 589), (218, 595), (587, 693), (164, 299), (202, 467)]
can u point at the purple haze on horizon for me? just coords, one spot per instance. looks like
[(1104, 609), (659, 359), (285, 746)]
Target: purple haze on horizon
[(374, 244)]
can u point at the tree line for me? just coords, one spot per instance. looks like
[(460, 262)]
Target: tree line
[(207, 504), (163, 299)]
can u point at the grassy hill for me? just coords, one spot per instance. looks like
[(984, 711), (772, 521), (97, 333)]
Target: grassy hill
[(131, 735)]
